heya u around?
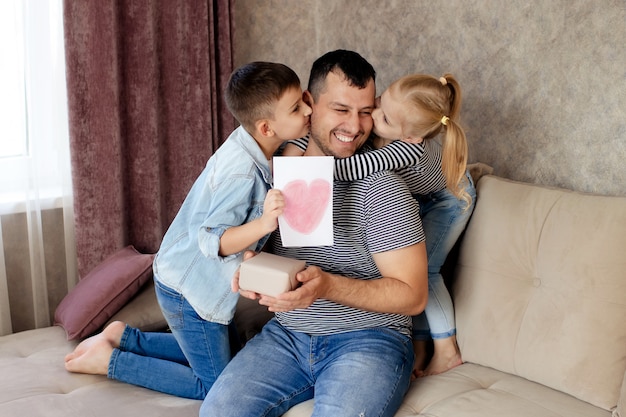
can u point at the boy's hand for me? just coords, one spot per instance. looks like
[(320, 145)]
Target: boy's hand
[(234, 285), (273, 207)]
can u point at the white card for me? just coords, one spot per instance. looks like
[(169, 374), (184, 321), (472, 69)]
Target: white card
[(307, 185)]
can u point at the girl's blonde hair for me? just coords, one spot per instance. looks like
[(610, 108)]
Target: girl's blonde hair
[(432, 105)]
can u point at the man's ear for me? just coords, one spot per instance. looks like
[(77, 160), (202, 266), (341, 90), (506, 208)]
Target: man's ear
[(264, 128), (307, 98), (411, 139)]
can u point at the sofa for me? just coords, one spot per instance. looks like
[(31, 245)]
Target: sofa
[(539, 285)]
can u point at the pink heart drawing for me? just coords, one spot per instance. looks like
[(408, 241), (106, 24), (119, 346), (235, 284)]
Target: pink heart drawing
[(305, 204)]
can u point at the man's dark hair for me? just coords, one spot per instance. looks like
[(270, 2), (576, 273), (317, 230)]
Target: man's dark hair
[(354, 67)]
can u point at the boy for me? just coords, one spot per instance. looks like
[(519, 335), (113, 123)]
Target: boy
[(229, 209)]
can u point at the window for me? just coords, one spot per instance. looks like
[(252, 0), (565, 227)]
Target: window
[(34, 144)]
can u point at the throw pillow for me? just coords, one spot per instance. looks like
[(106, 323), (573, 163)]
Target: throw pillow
[(103, 292)]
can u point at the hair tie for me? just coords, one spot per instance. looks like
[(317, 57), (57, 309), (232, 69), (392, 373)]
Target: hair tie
[(443, 80), (444, 120)]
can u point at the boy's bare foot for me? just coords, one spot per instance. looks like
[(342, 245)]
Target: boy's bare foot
[(95, 360), (446, 356), (112, 334)]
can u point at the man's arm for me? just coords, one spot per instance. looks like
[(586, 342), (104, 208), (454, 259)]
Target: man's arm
[(403, 288)]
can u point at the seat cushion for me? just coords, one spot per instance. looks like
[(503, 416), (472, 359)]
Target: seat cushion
[(35, 383), (472, 390)]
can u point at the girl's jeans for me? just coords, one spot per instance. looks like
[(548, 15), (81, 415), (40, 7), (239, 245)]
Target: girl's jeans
[(364, 372), (444, 218), (184, 363)]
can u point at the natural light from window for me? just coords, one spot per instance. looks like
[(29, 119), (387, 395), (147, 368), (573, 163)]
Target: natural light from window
[(34, 145), (12, 106)]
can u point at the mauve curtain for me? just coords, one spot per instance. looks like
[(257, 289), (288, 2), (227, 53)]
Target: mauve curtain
[(145, 85)]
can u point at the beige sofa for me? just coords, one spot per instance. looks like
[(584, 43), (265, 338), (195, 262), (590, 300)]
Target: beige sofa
[(540, 295)]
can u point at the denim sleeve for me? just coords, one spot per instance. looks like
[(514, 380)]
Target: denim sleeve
[(232, 203)]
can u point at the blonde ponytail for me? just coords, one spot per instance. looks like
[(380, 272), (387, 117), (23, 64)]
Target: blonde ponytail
[(455, 149), (437, 104)]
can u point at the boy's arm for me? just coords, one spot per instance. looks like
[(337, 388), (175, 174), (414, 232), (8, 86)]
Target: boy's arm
[(238, 238)]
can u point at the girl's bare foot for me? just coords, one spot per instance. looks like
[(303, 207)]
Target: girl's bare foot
[(420, 349), (446, 356), (112, 334), (95, 360)]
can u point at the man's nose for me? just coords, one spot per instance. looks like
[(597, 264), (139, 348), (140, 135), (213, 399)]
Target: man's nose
[(353, 122)]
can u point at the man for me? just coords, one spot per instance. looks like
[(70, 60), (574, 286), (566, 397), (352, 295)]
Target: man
[(344, 336)]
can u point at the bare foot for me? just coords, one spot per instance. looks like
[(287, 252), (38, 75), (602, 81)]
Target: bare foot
[(112, 334), (95, 360), (446, 356), (420, 349)]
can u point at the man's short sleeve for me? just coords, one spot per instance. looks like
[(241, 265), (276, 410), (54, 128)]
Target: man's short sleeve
[(391, 214)]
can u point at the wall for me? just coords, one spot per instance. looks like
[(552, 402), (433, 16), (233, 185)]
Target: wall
[(544, 82)]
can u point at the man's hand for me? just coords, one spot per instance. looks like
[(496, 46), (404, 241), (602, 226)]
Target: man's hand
[(314, 282)]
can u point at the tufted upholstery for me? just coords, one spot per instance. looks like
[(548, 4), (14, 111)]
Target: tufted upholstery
[(35, 383)]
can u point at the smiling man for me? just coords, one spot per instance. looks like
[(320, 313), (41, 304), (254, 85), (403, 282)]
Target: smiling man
[(344, 336)]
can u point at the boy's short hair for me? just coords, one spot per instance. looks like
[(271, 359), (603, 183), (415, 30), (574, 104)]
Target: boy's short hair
[(254, 89), (357, 70)]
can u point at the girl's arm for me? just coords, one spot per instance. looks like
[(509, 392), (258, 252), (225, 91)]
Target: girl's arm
[(396, 155)]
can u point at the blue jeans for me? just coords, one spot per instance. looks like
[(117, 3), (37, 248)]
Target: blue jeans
[(365, 372), (444, 218), (184, 363)]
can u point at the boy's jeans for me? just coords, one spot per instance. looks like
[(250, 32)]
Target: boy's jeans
[(443, 218), (363, 372), (184, 363)]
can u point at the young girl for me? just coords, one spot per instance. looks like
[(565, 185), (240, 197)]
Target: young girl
[(418, 135)]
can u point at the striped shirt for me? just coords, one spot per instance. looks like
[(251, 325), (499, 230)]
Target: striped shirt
[(419, 165), (371, 215)]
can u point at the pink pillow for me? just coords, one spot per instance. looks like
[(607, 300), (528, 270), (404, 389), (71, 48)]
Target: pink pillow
[(103, 292)]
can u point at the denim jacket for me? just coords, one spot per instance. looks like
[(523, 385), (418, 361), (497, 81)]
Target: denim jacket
[(229, 192)]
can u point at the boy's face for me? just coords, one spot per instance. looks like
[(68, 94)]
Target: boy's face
[(342, 117), (291, 116)]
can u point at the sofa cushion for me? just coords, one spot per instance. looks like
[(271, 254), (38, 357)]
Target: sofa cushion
[(103, 292), (34, 383), (539, 288), (472, 390)]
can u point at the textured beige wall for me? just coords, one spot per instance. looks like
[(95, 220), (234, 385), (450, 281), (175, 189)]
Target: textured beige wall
[(544, 82)]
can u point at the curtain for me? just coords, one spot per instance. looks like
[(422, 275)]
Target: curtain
[(37, 248), (145, 95)]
